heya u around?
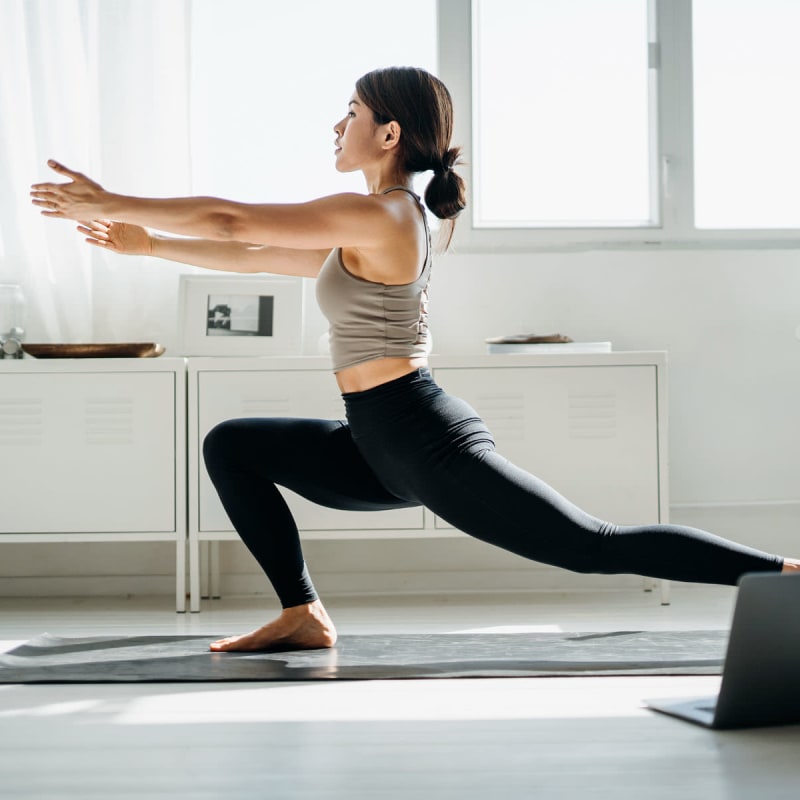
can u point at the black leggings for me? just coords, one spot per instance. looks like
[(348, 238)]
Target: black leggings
[(407, 443)]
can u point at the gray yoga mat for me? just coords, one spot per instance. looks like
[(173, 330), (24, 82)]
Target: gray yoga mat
[(170, 659)]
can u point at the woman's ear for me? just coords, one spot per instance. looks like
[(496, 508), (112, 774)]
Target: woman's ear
[(391, 136)]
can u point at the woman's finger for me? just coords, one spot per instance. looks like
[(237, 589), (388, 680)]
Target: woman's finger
[(50, 210), (95, 225), (49, 187), (62, 170), (51, 204), (97, 234)]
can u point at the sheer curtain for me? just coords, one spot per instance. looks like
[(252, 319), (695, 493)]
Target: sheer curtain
[(82, 81)]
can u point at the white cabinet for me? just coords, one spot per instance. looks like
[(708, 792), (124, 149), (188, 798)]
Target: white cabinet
[(591, 432), (592, 425), (94, 450), (224, 392)]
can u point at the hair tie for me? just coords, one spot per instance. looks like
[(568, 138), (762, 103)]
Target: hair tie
[(442, 168)]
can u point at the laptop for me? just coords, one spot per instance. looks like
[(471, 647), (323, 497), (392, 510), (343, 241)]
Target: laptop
[(761, 676)]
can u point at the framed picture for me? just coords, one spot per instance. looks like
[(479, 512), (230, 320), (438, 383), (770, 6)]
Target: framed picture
[(241, 316)]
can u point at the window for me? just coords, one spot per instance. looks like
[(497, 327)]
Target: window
[(561, 110), (746, 66), (608, 123)]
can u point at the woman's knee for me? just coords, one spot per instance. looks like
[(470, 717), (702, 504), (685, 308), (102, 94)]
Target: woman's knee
[(223, 443)]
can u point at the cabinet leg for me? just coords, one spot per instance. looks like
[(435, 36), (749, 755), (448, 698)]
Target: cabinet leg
[(180, 575), (213, 570), (204, 563), (664, 585), (194, 574)]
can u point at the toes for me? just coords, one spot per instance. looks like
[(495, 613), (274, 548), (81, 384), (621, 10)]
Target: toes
[(234, 643), (222, 644)]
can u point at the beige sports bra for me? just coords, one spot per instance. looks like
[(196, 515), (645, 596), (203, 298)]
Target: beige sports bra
[(371, 320)]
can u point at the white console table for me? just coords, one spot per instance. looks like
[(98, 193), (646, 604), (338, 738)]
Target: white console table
[(592, 425), (95, 450)]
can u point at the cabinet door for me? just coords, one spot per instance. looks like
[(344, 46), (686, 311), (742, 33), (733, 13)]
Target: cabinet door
[(88, 452), (290, 393), (590, 432)]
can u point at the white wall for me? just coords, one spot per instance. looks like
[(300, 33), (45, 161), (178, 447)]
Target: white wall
[(729, 322)]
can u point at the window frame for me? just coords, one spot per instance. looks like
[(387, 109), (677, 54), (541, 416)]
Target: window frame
[(671, 115)]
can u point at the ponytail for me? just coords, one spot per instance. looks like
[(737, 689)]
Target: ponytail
[(446, 195)]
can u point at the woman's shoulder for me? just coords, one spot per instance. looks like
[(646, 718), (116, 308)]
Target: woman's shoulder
[(394, 213)]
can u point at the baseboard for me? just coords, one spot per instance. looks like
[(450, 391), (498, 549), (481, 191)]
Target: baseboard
[(354, 584), (88, 586)]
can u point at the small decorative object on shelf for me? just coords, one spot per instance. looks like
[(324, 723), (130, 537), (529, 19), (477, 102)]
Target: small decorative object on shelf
[(543, 343), (12, 318), (115, 350), (240, 316)]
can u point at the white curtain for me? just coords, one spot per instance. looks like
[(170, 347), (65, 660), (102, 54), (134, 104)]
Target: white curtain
[(82, 81)]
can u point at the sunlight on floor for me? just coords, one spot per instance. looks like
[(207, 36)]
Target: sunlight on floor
[(53, 709), (399, 701), (363, 701)]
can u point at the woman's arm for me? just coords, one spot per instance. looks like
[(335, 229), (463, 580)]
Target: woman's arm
[(128, 239), (240, 256), (344, 220)]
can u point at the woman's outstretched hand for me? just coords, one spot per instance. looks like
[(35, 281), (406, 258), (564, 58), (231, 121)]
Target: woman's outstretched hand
[(119, 237), (80, 199)]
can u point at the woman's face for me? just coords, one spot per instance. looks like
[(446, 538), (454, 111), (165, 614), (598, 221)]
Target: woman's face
[(358, 138)]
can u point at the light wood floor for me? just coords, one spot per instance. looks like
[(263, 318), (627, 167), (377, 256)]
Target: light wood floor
[(489, 738)]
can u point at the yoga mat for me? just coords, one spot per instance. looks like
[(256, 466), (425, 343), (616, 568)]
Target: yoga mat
[(170, 659)]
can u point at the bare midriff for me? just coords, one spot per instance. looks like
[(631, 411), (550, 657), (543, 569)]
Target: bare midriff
[(373, 373)]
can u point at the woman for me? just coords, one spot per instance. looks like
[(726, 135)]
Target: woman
[(405, 442)]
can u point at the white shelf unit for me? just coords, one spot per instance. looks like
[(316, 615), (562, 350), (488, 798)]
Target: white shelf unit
[(94, 450), (593, 425)]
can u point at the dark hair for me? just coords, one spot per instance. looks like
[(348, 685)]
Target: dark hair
[(421, 104)]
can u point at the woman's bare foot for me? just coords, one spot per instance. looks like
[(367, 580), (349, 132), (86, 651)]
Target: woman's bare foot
[(791, 565), (306, 627)]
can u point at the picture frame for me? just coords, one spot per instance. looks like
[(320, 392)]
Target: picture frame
[(240, 316)]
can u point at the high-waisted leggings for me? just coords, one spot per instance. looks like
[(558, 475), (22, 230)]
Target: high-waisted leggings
[(407, 443)]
